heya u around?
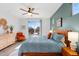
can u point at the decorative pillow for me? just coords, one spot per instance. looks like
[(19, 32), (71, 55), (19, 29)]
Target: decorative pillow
[(49, 35), (63, 41), (57, 37)]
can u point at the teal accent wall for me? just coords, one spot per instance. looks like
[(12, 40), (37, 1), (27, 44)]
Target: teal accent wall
[(69, 21), (72, 22)]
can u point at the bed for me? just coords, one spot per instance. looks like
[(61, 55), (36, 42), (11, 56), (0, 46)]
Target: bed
[(41, 46)]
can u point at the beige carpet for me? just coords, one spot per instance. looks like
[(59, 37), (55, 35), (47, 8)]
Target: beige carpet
[(15, 52), (9, 50)]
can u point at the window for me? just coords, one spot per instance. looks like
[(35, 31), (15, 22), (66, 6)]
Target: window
[(75, 8), (34, 27)]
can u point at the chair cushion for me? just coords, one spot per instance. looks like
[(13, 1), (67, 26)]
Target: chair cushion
[(20, 36)]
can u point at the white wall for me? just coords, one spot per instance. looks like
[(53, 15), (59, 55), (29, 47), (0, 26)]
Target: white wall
[(45, 25), (12, 12), (11, 21), (18, 22)]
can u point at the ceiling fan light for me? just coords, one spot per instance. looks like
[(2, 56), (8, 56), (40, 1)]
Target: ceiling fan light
[(30, 14)]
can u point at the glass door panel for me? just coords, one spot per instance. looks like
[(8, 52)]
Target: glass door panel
[(34, 28)]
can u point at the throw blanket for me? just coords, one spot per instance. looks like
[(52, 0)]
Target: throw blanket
[(40, 44)]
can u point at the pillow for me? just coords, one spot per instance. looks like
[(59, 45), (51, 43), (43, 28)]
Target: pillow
[(49, 35), (63, 41), (57, 37)]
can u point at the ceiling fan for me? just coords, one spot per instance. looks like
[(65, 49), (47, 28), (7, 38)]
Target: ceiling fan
[(29, 11)]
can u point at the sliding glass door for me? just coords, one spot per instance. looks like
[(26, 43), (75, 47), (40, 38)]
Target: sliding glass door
[(34, 27)]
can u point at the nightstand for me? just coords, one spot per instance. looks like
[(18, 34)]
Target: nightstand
[(66, 51)]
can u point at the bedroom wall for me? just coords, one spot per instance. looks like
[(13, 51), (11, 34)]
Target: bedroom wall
[(45, 26), (69, 21), (11, 21), (7, 13), (72, 23), (17, 22)]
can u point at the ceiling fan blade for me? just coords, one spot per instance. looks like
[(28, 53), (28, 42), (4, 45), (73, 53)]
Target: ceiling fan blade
[(23, 10), (24, 13), (33, 9), (35, 13)]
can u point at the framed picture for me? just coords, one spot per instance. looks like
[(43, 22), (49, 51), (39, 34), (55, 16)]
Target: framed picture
[(59, 22)]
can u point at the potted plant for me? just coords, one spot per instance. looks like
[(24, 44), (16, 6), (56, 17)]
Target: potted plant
[(11, 29)]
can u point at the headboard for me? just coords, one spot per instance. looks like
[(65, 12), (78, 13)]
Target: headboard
[(65, 33)]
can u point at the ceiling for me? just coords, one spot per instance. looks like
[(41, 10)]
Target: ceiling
[(45, 10)]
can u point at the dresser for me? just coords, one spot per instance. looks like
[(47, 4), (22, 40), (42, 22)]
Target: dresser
[(6, 40)]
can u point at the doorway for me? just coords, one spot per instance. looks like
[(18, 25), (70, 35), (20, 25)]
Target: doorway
[(34, 27)]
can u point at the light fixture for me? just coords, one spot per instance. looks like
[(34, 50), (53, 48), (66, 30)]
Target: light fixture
[(29, 14), (73, 37), (51, 31)]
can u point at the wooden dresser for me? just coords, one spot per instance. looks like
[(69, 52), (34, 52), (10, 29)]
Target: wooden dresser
[(66, 51), (6, 40)]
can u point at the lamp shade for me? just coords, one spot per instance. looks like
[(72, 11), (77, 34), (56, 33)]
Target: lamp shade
[(51, 31), (73, 37), (30, 14)]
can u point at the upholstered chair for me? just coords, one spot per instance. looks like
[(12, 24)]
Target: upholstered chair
[(20, 36)]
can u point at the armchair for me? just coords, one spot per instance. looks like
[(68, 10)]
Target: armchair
[(20, 36)]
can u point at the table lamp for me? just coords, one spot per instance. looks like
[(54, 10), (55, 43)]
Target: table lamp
[(73, 37)]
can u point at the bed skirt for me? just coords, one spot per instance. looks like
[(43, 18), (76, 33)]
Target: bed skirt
[(40, 54)]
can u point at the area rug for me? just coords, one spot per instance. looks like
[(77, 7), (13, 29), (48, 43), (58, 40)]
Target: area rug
[(15, 52)]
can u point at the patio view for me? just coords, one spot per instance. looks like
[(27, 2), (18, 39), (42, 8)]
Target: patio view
[(34, 28)]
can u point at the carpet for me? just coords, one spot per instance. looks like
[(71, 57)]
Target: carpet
[(15, 52)]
